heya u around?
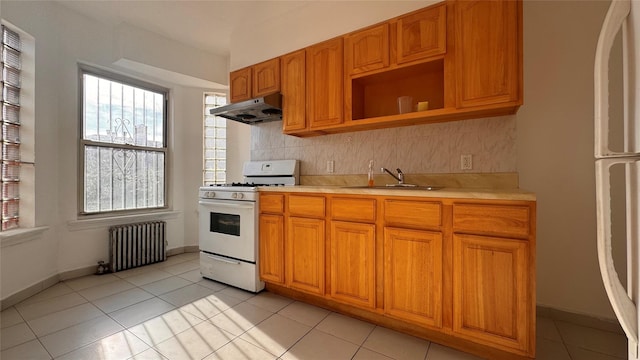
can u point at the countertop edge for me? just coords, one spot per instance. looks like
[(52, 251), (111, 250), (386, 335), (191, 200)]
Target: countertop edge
[(455, 193)]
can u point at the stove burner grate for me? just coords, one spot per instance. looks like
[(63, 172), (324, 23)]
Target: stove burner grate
[(245, 184)]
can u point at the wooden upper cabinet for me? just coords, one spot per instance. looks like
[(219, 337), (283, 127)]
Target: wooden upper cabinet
[(325, 83), (266, 77), (240, 83), (422, 34), (367, 49), (253, 81), (293, 91), (488, 53)]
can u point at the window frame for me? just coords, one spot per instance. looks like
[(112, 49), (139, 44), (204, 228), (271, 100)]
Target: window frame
[(82, 143), (27, 210), (11, 205), (205, 170)]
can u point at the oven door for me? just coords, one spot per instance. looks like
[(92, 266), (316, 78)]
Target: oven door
[(228, 228)]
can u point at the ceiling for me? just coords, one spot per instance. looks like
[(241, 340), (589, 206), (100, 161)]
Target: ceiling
[(204, 24)]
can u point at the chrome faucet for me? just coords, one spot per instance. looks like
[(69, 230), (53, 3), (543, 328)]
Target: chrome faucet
[(400, 176)]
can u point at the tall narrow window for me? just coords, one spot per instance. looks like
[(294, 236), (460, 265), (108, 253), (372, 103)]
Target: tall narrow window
[(123, 143), (10, 156), (215, 141)]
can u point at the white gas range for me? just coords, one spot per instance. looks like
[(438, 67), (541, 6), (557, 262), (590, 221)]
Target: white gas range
[(228, 216)]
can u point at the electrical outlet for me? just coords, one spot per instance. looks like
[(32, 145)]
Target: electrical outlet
[(466, 162), (330, 166)]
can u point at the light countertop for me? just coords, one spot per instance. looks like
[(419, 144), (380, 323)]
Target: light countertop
[(447, 192)]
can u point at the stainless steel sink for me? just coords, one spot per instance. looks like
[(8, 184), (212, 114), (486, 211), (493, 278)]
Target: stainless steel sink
[(397, 187)]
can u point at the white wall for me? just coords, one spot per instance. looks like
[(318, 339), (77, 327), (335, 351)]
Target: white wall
[(64, 38), (310, 23), (555, 149)]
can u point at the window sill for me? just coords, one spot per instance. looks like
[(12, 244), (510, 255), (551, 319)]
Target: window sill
[(94, 223), (19, 236)]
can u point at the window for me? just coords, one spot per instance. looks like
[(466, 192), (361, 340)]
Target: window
[(124, 136), (10, 123), (215, 141)]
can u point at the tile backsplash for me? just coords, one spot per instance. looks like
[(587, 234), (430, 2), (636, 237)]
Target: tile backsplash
[(430, 148)]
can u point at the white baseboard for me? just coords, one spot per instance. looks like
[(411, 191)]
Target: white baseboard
[(67, 275)]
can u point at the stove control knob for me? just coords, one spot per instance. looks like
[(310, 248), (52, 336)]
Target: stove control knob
[(210, 194), (240, 195), (234, 195)]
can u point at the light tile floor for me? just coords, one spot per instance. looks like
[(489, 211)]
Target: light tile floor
[(168, 311)]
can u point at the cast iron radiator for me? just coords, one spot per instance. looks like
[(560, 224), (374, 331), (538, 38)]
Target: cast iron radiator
[(134, 245)]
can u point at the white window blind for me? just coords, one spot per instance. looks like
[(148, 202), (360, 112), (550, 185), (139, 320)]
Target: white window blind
[(10, 155), (215, 141)]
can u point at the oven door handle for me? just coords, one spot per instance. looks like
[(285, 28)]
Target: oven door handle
[(224, 260), (216, 203)]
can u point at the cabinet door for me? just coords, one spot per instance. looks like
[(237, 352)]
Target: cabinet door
[(367, 50), (266, 78), (272, 248), (488, 54), (305, 254), (353, 263), (490, 282), (413, 275), (422, 34), (324, 83), (240, 83), (293, 92)]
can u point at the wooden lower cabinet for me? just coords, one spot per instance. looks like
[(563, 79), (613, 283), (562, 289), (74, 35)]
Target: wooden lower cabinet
[(353, 263), (271, 246), (413, 275), (490, 290), (460, 272), (304, 254)]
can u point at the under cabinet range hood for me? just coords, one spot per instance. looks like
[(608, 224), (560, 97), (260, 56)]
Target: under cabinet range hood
[(263, 109)]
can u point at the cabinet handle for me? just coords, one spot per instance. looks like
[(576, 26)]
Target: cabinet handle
[(224, 260)]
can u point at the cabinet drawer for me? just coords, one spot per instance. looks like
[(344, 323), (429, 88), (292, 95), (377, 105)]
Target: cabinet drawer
[(359, 210), (273, 203), (414, 214), (306, 206), (500, 220)]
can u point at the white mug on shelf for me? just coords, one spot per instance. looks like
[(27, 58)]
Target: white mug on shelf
[(405, 104)]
